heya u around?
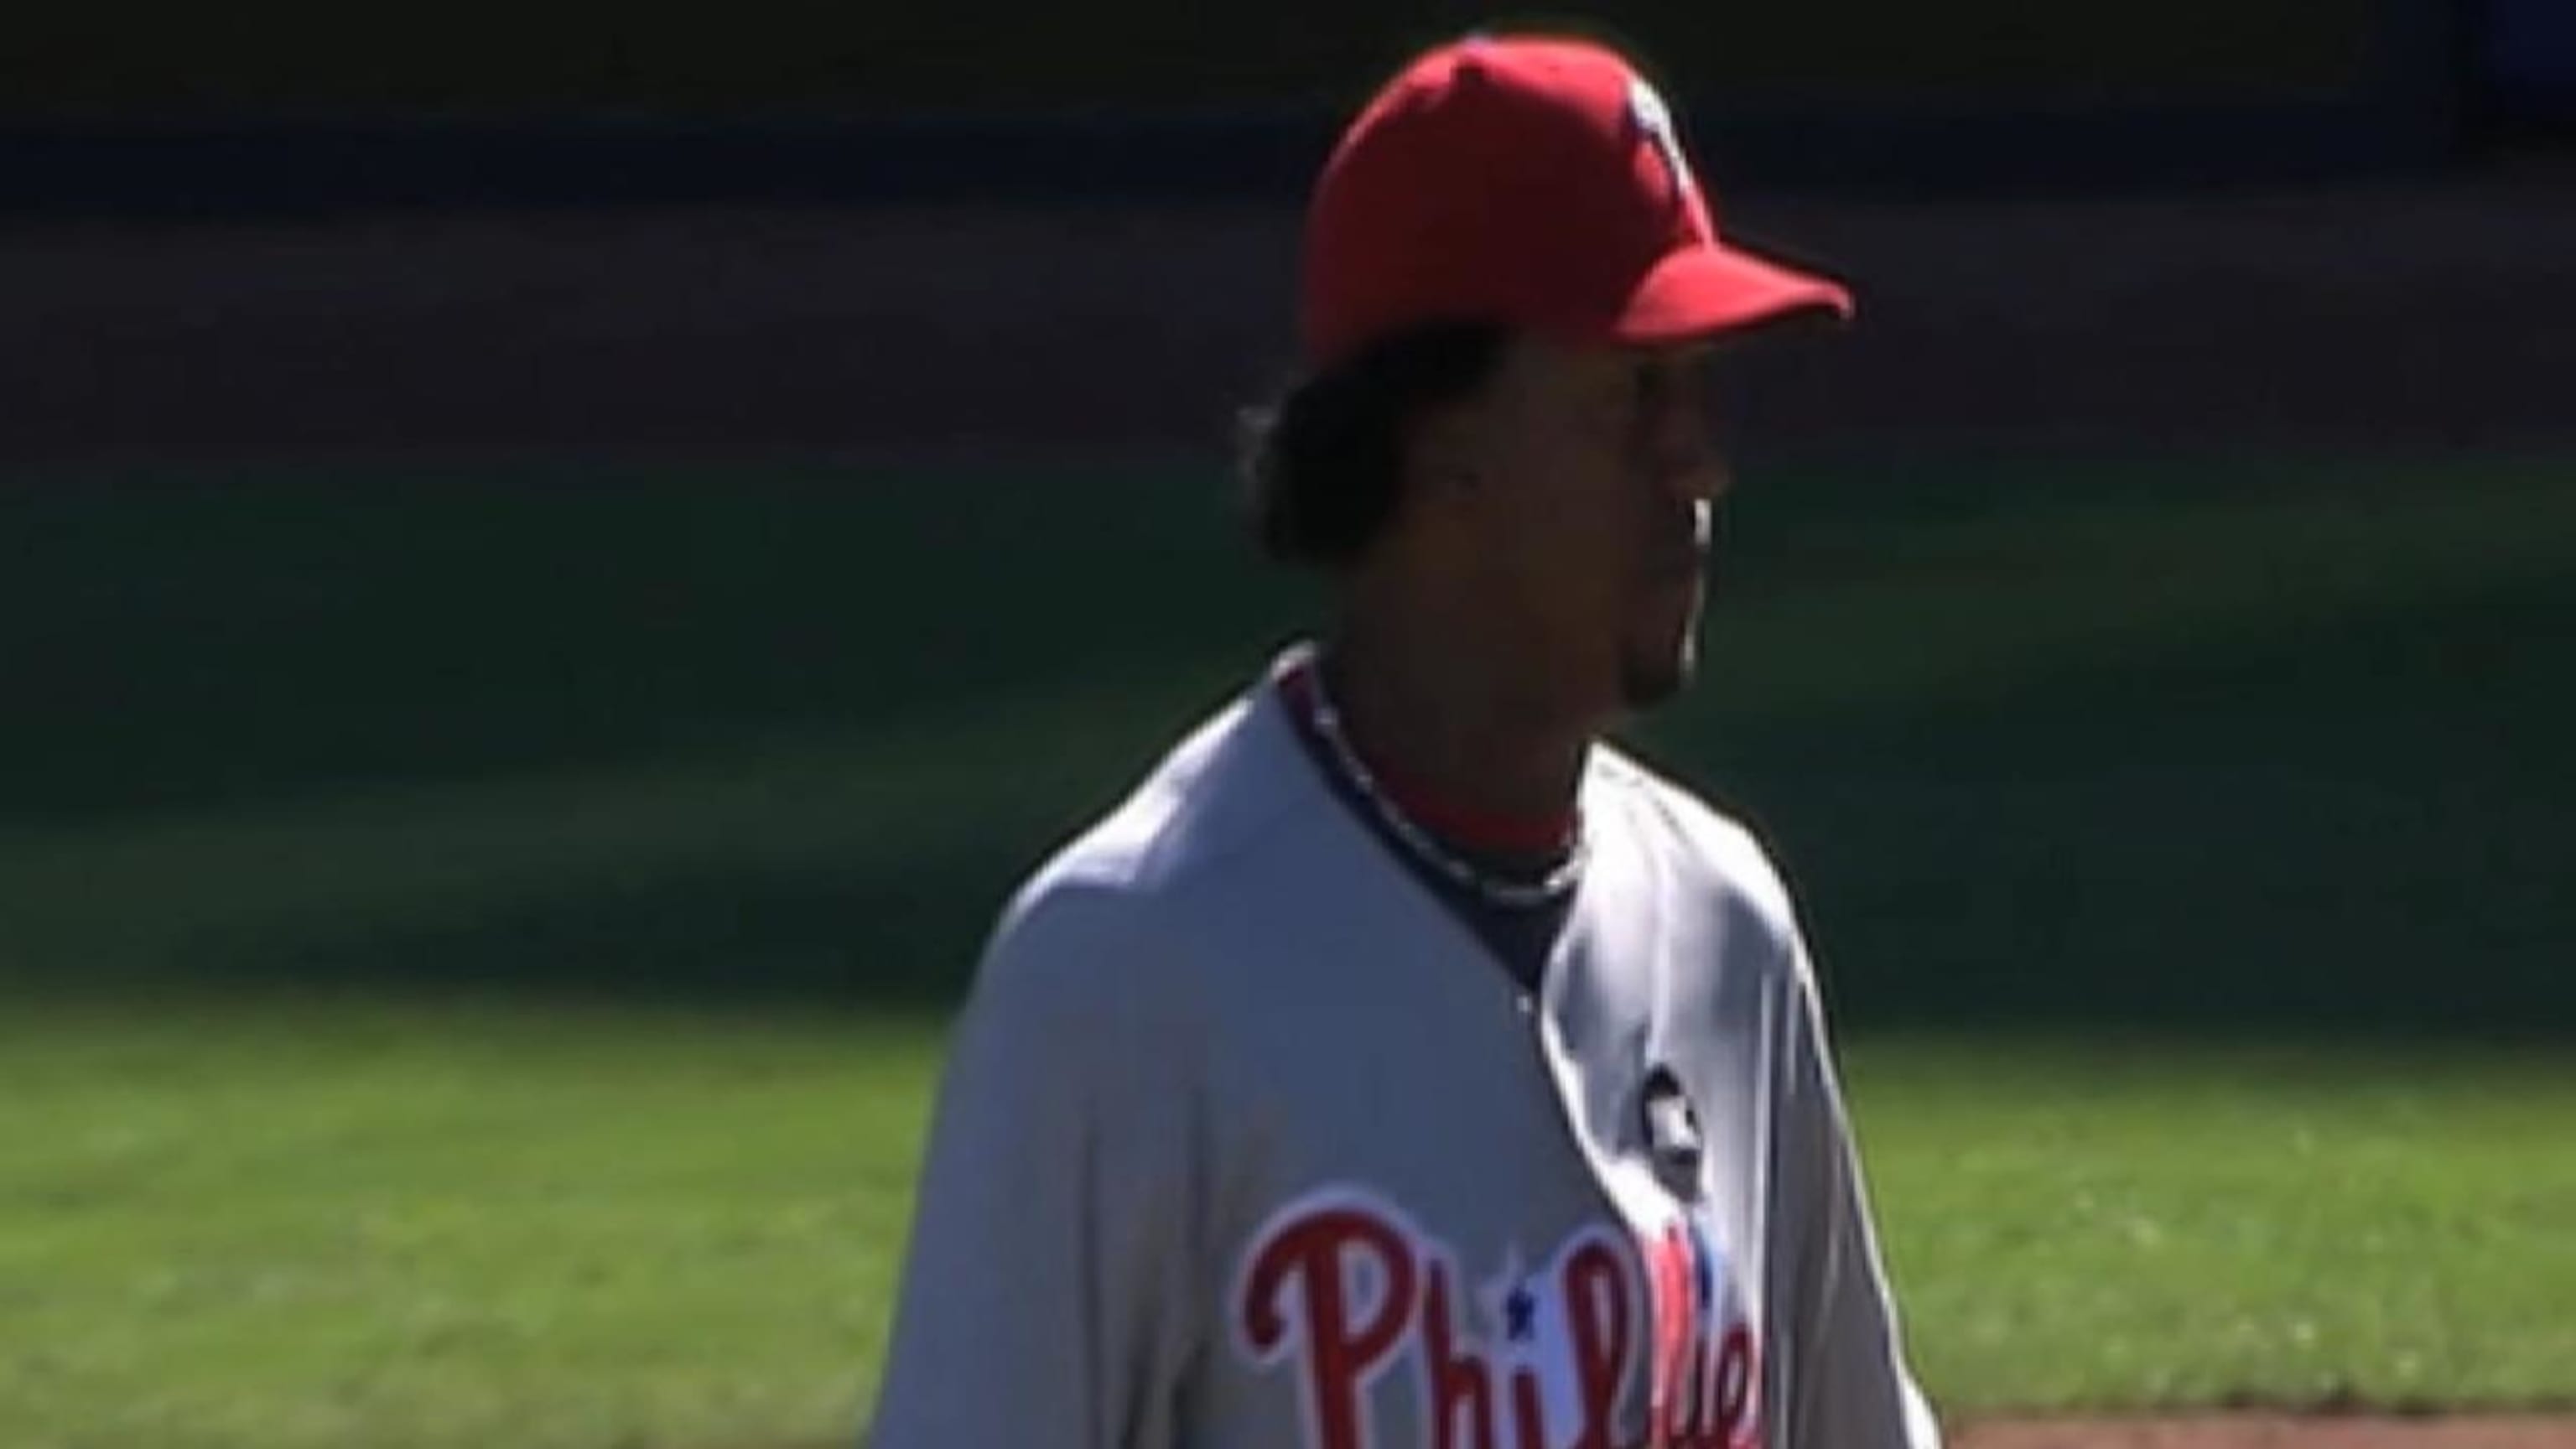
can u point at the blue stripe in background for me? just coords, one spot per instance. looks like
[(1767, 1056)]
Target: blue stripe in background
[(2529, 56)]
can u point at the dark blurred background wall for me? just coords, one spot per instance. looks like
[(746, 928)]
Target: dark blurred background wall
[(2524, 65), (572, 228), (1137, 52), (287, 102)]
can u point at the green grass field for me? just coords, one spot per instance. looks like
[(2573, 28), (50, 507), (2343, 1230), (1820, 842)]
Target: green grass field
[(370, 1224), (471, 950)]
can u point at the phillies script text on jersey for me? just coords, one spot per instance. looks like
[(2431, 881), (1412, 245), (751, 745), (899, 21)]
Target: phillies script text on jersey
[(1343, 1289)]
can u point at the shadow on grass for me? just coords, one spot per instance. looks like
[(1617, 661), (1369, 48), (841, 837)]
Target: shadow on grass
[(743, 940), (2218, 845), (2350, 821), (256, 641), (2354, 826)]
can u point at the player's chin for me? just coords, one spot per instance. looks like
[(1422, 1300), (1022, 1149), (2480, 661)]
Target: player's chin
[(1662, 655), (1652, 673)]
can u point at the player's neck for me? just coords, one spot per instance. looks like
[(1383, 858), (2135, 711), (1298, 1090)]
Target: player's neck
[(1452, 720)]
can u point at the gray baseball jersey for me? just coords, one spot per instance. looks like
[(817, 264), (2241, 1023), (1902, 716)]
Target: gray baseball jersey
[(1245, 1143)]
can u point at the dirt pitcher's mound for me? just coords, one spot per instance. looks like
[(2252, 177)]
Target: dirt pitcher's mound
[(2275, 1432)]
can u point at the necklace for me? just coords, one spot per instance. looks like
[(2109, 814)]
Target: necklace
[(1425, 846)]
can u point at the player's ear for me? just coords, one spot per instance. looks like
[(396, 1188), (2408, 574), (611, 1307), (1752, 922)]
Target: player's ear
[(1450, 451)]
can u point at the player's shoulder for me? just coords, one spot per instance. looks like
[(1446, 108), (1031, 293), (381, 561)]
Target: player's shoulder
[(1121, 894), (1215, 792), (1699, 837)]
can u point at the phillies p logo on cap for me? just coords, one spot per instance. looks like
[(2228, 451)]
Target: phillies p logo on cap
[(1646, 107)]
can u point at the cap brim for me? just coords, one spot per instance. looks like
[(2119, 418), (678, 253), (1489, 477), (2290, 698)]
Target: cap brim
[(1705, 291)]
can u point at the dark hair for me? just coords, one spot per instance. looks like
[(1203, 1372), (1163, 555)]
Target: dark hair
[(1323, 465)]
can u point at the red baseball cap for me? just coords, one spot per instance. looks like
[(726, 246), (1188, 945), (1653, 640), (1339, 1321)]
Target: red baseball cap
[(1532, 182)]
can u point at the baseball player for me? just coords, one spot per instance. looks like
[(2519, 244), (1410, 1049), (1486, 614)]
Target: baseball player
[(1402, 1066)]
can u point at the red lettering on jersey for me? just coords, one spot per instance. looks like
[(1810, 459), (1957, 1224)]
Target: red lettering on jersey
[(1595, 1284), (1529, 1419), (1731, 1391), (1668, 1280), (1461, 1384), (1316, 1255), (1345, 1286), (1707, 1378)]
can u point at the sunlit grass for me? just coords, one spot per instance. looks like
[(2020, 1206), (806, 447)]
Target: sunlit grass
[(288, 1226)]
